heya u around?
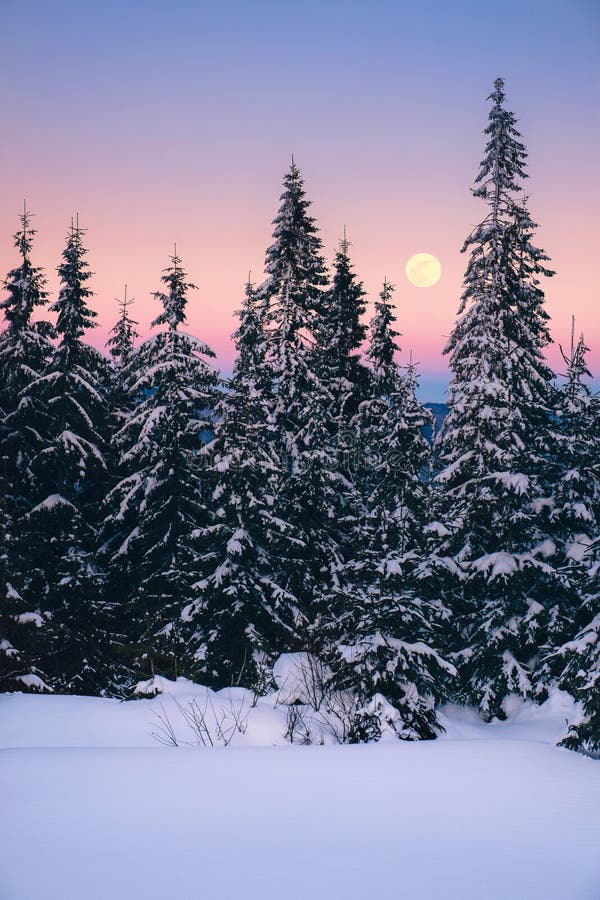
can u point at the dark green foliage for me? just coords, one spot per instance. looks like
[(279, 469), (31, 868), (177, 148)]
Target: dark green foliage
[(235, 613), (389, 630), (339, 335), (294, 297), (123, 334), (24, 352), (159, 504), (494, 559), (70, 473)]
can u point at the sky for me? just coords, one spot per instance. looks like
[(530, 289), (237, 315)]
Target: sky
[(163, 121)]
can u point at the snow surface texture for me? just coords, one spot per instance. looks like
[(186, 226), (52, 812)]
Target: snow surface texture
[(94, 807)]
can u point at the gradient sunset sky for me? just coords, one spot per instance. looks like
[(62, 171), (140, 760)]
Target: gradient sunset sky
[(175, 121)]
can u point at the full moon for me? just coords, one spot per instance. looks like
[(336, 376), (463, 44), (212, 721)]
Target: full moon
[(423, 270)]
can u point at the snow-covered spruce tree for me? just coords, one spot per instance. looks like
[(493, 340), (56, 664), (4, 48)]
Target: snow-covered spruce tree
[(577, 498), (578, 511), (396, 453), (575, 506), (123, 334), (307, 496), (390, 632), (339, 335), (233, 615), (120, 345), (390, 421), (70, 470), (24, 352), (162, 496), (494, 448)]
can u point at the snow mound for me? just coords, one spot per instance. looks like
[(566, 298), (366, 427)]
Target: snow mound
[(526, 721)]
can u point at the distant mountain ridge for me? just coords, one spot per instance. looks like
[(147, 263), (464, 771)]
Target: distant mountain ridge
[(440, 411)]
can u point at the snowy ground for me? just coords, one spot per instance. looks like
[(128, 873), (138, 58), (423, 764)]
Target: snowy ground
[(93, 808)]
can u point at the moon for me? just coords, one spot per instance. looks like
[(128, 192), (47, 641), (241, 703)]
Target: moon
[(423, 270)]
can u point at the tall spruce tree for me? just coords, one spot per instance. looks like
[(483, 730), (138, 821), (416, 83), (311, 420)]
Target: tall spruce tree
[(494, 448), (161, 498), (339, 335), (295, 296), (123, 334), (391, 422), (70, 469), (237, 630), (25, 349), (120, 344), (577, 510), (575, 506), (577, 498), (390, 630)]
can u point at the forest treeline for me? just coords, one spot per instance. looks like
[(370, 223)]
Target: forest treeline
[(159, 519)]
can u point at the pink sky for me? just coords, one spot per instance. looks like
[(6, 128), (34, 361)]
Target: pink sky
[(161, 127), (223, 237)]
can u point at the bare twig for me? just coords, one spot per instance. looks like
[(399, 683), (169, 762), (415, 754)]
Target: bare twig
[(165, 733)]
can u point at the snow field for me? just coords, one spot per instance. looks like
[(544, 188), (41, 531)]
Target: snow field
[(94, 807)]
